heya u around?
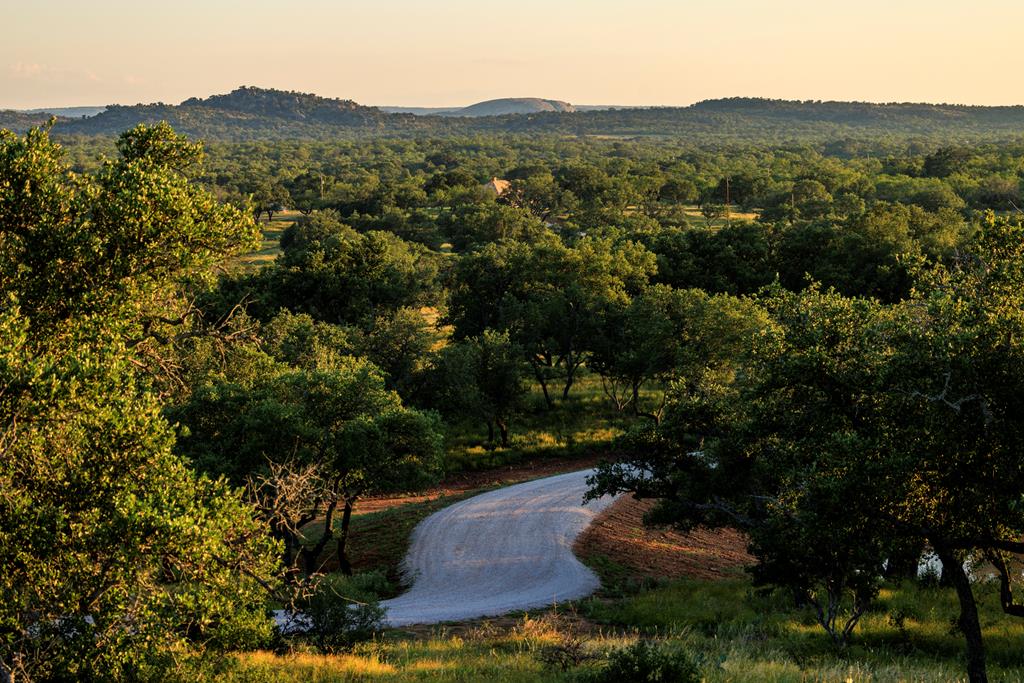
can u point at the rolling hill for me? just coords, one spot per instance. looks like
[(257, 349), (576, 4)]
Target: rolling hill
[(515, 105), (249, 113)]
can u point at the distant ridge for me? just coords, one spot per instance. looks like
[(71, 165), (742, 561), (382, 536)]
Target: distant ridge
[(286, 105), (245, 113), (69, 112), (250, 113)]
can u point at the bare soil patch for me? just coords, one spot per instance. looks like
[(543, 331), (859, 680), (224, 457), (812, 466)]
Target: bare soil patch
[(464, 482), (619, 535)]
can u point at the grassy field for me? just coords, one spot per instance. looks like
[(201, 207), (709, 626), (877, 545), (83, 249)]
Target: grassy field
[(733, 633), (270, 244), (695, 218)]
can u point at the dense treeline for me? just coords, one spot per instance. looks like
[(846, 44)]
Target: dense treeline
[(816, 344)]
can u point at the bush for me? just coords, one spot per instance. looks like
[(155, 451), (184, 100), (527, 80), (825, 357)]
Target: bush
[(645, 662), (344, 611)]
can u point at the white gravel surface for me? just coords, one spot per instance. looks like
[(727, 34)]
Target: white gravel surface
[(502, 551)]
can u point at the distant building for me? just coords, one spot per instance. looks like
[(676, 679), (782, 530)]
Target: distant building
[(497, 186)]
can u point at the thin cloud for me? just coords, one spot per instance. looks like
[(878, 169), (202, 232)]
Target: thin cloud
[(33, 71)]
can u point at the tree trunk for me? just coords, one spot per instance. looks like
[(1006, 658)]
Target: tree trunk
[(490, 432), (346, 518), (311, 555), (656, 416), (569, 378), (543, 385), (968, 622), (570, 373), (503, 430)]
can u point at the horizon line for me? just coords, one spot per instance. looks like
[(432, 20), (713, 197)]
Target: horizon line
[(45, 108)]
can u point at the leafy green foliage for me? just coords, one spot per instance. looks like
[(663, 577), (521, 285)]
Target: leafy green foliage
[(342, 612), (548, 296), (483, 377), (336, 274), (858, 431), (119, 563), (646, 662)]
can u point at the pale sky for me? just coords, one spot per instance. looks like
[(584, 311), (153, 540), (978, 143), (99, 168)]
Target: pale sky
[(456, 52)]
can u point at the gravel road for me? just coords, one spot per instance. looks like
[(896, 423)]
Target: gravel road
[(502, 551)]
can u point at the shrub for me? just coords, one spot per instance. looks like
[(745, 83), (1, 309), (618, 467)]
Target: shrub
[(645, 662), (344, 611)]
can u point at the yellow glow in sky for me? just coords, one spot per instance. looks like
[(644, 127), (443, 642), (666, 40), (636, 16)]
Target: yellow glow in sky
[(456, 52)]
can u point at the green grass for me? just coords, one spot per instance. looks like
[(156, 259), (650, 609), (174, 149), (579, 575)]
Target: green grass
[(440, 659), (696, 218), (270, 244), (744, 636), (734, 633)]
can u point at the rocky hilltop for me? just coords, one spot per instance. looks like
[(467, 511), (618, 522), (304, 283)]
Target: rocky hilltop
[(514, 105)]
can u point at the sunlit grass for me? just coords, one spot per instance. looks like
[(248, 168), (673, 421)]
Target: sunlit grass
[(314, 667), (908, 633), (270, 242), (734, 633), (583, 423)]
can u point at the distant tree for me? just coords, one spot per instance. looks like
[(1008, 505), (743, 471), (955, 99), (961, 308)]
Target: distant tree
[(849, 204), (548, 296), (309, 190), (399, 343), (946, 161), (335, 274), (458, 177), (736, 259), (269, 197), (679, 191), (586, 182), (675, 340), (472, 225), (999, 192), (537, 193), (711, 212), (482, 377), (810, 199)]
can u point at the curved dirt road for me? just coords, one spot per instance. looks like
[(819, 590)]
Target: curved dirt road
[(501, 551)]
